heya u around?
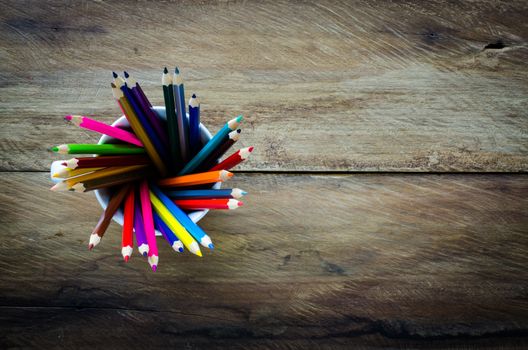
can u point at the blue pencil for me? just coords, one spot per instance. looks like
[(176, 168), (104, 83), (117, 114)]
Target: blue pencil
[(213, 143), (181, 115), (175, 243), (184, 220), (236, 193), (194, 125), (144, 122)]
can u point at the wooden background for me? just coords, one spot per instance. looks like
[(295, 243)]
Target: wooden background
[(389, 200)]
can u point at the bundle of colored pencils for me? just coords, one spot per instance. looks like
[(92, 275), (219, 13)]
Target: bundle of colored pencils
[(157, 171)]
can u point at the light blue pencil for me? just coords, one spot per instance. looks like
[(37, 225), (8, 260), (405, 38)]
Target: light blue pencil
[(181, 116), (183, 219), (211, 145)]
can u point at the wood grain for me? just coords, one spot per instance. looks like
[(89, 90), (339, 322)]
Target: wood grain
[(311, 261), (326, 85)]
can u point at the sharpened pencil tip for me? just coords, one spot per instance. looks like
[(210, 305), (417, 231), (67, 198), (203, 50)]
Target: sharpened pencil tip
[(243, 193), (126, 74), (165, 70), (90, 246), (239, 131), (114, 74), (145, 254), (211, 246), (68, 117), (251, 149), (126, 258), (176, 70), (193, 95), (55, 149), (180, 250), (240, 203), (154, 268)]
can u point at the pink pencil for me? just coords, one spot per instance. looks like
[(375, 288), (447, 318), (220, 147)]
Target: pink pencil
[(102, 128), (148, 223)]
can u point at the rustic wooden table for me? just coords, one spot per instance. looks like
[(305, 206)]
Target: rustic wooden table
[(388, 202)]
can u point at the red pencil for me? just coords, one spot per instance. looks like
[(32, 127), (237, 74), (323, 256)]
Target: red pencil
[(200, 204), (128, 226), (234, 159)]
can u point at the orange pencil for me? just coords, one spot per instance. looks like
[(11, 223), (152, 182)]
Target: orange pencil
[(196, 179)]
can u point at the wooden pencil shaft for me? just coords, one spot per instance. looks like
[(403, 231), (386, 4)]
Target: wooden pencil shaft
[(213, 158), (108, 213)]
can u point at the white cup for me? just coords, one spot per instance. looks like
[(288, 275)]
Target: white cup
[(103, 195)]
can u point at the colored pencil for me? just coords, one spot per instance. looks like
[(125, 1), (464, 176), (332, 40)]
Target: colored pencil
[(172, 122), (200, 204), (133, 83), (106, 216), (175, 225), (194, 126), (216, 154), (183, 219), (100, 174), (211, 145), (234, 159), (148, 223), (181, 115), (66, 173), (146, 107), (196, 179), (104, 182), (87, 148), (138, 111), (102, 128), (106, 161), (118, 81), (236, 193), (139, 229), (174, 242), (138, 129), (127, 233)]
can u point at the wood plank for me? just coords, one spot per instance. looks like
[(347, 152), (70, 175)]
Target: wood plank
[(327, 85), (310, 261)]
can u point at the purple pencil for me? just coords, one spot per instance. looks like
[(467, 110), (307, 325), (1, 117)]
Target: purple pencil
[(141, 237), (145, 105)]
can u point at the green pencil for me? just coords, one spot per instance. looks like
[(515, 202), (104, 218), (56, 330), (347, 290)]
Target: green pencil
[(172, 121), (79, 148)]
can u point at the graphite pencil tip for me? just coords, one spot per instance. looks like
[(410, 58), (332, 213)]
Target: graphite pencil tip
[(114, 74), (193, 95), (126, 74), (165, 70)]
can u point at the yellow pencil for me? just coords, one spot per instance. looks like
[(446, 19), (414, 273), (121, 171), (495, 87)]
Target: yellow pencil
[(104, 173), (174, 225), (66, 173)]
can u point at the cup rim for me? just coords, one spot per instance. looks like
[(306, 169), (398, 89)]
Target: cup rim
[(205, 135)]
